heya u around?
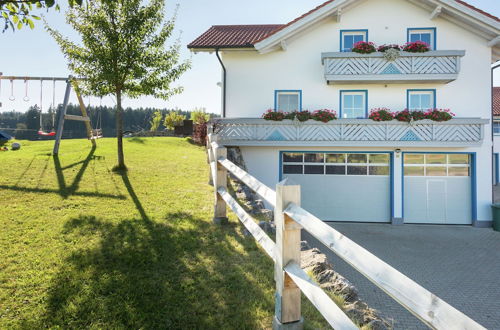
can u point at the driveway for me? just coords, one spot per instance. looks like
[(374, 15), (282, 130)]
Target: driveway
[(459, 264)]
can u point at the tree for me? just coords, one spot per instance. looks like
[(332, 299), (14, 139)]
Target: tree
[(199, 116), (123, 52), (18, 12), (156, 121), (173, 119)]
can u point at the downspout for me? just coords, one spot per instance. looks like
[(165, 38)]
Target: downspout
[(223, 83)]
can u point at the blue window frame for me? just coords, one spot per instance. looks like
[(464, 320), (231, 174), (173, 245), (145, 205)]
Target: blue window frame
[(420, 99), (349, 37), (288, 100), (496, 128), (427, 35), (353, 104)]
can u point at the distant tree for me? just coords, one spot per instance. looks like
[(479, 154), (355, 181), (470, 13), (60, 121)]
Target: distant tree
[(18, 13), (156, 121), (123, 52)]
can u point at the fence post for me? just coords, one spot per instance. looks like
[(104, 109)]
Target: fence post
[(210, 159), (287, 308), (220, 180)]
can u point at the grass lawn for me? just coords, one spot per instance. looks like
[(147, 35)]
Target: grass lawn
[(82, 247)]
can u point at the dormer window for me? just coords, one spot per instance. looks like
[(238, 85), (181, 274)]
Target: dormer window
[(349, 37), (427, 35)]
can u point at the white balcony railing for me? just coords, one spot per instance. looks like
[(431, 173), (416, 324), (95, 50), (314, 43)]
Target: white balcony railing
[(440, 66), (350, 132)]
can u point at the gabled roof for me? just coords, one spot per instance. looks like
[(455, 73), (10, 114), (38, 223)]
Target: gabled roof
[(233, 36), (266, 38), (496, 101)]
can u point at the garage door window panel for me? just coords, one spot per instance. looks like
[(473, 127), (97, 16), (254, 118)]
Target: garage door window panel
[(314, 169), (335, 158), (335, 169), (314, 158), (293, 157), (437, 165), (293, 169), (357, 158)]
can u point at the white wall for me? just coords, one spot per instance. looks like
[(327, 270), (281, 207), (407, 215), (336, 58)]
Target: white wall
[(252, 79)]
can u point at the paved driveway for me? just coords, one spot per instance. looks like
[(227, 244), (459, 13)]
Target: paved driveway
[(459, 264)]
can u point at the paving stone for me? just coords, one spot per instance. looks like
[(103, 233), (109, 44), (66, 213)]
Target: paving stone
[(460, 264)]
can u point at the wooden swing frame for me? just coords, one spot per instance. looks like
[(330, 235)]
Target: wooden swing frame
[(70, 82)]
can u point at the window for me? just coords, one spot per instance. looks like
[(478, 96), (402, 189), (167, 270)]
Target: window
[(496, 128), (288, 101), (437, 165), (421, 99), (372, 164), (349, 37), (353, 104), (427, 35)]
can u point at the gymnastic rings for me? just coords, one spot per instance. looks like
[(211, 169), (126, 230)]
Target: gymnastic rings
[(26, 98), (12, 97)]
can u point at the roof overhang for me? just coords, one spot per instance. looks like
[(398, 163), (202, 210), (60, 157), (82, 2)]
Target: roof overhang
[(451, 10), (225, 49)]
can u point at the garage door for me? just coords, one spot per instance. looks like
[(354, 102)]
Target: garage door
[(437, 188), (342, 186)]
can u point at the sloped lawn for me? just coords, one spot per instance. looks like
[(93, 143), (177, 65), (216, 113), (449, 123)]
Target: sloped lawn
[(82, 247)]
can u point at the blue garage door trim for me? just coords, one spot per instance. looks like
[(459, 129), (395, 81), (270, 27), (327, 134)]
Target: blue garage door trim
[(496, 167), (473, 179), (391, 165)]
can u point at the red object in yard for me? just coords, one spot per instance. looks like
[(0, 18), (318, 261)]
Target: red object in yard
[(42, 133)]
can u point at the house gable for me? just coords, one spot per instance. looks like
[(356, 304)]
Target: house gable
[(455, 11)]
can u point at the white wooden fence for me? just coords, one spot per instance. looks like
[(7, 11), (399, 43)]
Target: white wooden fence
[(291, 280)]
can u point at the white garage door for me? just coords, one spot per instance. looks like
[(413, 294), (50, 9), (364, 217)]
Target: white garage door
[(437, 188), (342, 186)]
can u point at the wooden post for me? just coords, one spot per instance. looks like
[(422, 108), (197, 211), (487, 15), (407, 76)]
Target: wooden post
[(60, 124), (287, 309), (210, 158), (88, 127), (220, 180)]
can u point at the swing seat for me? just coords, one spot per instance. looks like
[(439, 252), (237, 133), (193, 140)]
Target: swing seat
[(96, 134), (42, 133)]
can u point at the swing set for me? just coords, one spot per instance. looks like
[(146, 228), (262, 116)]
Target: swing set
[(93, 133)]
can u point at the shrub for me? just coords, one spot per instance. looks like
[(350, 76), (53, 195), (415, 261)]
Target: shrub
[(381, 114), (199, 116), (156, 121), (200, 133), (273, 115), (407, 115), (324, 115), (384, 48), (363, 47), (173, 119), (439, 114), (416, 47)]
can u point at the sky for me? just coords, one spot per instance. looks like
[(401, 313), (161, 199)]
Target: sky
[(35, 53)]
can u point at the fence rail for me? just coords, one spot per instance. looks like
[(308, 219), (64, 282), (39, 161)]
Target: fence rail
[(290, 219)]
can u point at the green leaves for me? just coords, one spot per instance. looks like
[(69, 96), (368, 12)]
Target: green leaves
[(18, 14)]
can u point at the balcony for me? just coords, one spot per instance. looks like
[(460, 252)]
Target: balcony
[(442, 66), (458, 132)]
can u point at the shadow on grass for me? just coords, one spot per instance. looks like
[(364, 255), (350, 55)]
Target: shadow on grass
[(64, 190), (136, 140), (180, 273)]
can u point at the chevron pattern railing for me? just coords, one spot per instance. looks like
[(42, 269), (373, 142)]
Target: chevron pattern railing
[(438, 66), (456, 132)]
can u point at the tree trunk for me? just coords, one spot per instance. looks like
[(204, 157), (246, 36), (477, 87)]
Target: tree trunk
[(119, 131)]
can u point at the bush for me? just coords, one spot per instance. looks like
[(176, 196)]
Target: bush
[(156, 121), (381, 114), (418, 115), (439, 114), (200, 133), (273, 115), (384, 48), (199, 116), (363, 47), (416, 47), (324, 115), (404, 115), (173, 119)]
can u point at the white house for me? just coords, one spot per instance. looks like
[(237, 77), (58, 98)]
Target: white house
[(354, 168)]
